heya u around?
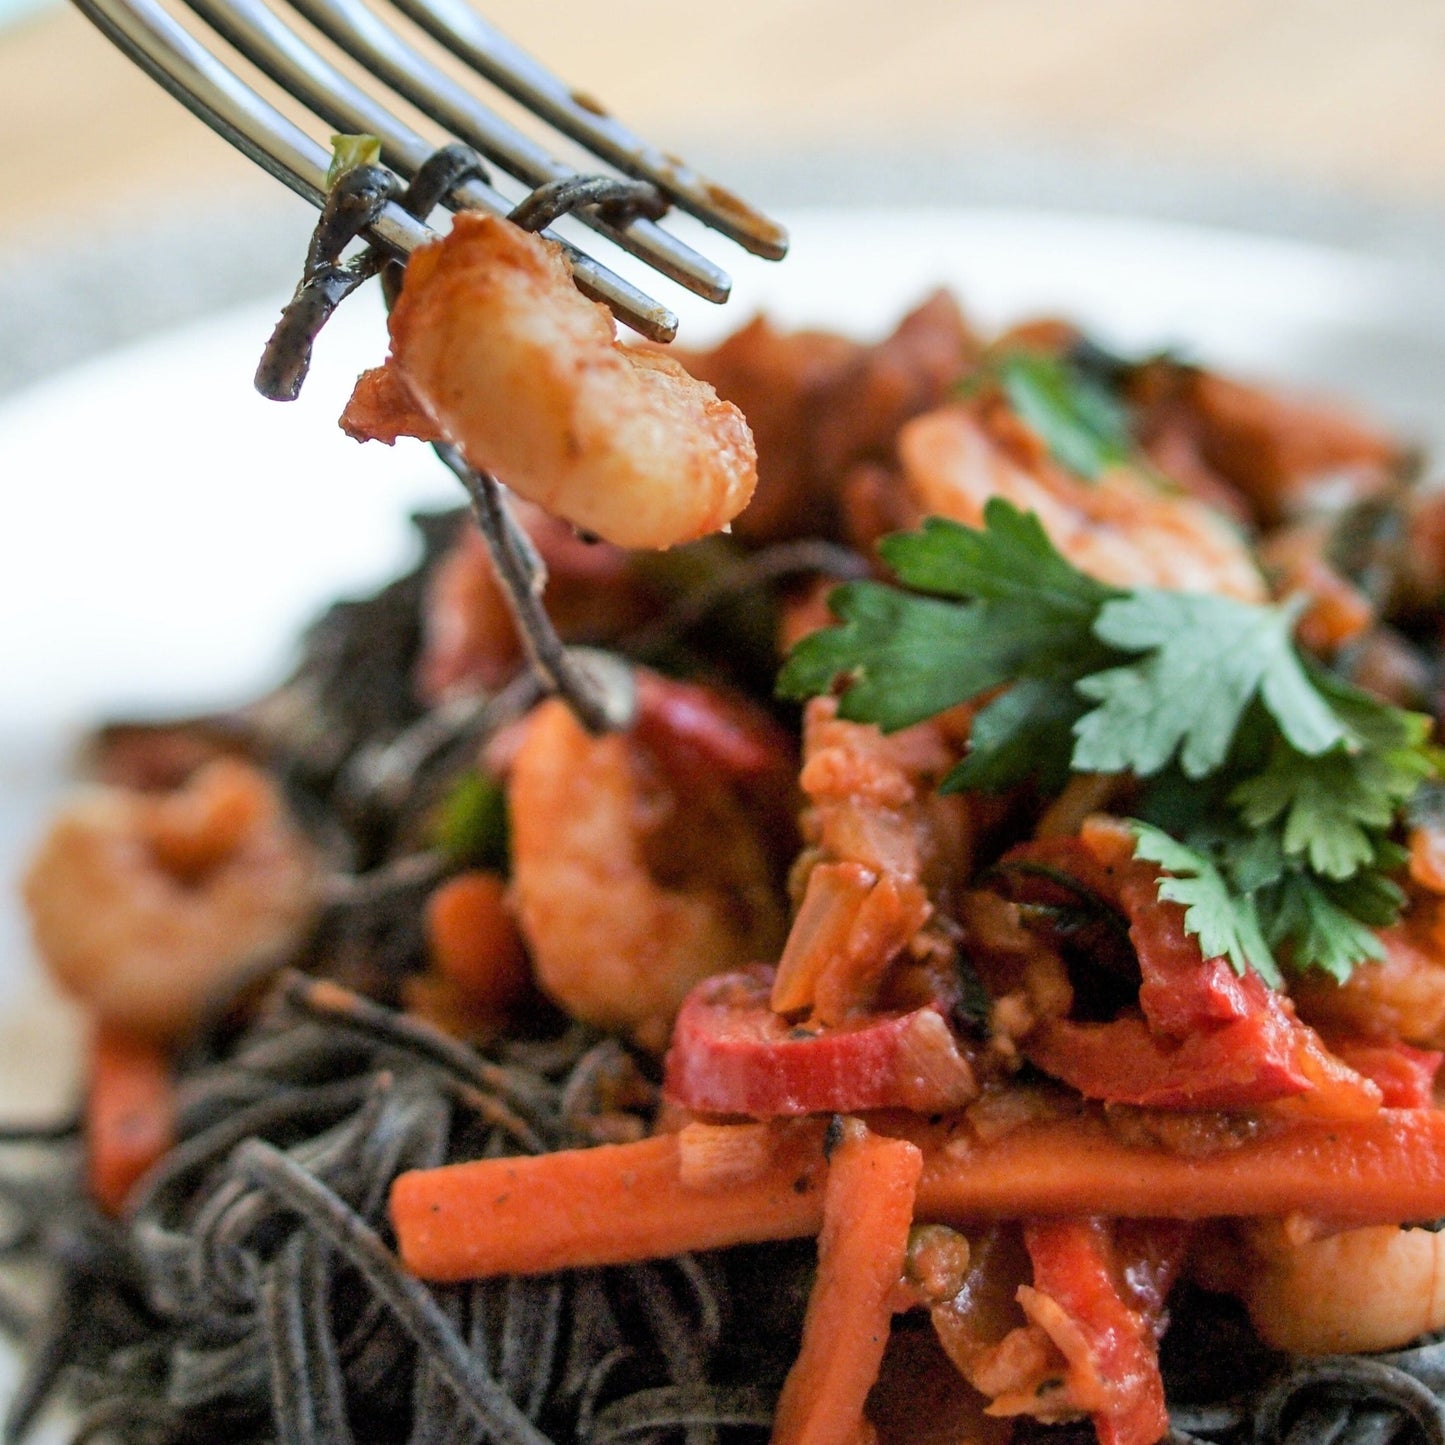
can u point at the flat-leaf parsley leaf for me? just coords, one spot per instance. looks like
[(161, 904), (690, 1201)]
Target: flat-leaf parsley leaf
[(1284, 782)]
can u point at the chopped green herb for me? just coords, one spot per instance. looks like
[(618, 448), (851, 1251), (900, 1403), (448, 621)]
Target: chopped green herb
[(1206, 659), (1224, 921), (1028, 620), (1322, 932), (1283, 781), (471, 823), (1083, 426), (350, 151)]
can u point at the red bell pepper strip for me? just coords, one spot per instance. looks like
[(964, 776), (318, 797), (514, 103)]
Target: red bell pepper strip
[(1404, 1075), (1209, 1038), (1238, 1066), (1109, 1341), (1180, 990)]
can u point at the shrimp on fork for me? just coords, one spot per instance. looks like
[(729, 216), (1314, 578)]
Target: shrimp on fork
[(494, 350)]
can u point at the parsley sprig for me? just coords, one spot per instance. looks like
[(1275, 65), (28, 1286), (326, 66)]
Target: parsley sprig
[(1085, 429), (1271, 786)]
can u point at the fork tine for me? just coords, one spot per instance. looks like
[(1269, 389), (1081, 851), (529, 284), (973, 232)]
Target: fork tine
[(176, 60), (363, 35), (467, 35), (263, 37)]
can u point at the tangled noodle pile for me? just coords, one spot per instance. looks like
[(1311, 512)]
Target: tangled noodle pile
[(1059, 944)]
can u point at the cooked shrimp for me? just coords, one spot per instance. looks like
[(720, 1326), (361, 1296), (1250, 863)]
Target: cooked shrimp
[(1363, 1289), (493, 344), (143, 905), (884, 846), (640, 862), (1402, 996), (1121, 527), (819, 404)]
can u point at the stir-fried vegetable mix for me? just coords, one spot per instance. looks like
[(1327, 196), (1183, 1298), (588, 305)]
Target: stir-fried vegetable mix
[(1020, 869)]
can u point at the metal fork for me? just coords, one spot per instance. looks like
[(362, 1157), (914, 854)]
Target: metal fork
[(183, 64)]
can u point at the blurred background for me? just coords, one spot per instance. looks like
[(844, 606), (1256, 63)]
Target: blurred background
[(1322, 119)]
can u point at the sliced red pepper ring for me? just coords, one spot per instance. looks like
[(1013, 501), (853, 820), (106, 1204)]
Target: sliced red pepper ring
[(731, 1054)]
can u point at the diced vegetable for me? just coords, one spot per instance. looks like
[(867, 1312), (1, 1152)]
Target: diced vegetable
[(129, 1119), (867, 1210)]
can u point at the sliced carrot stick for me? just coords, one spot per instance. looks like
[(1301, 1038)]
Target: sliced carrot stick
[(626, 1202), (129, 1117), (1382, 1170), (474, 943), (612, 1204), (867, 1210)]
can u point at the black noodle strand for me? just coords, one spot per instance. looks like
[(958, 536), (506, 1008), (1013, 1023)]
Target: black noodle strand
[(355, 201), (413, 1304), (49, 1355), (1356, 1378), (347, 1010), (598, 689), (691, 1406), (291, 1401)]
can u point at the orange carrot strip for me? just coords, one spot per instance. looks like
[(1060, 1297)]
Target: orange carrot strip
[(1380, 1170), (867, 1209), (620, 1203), (613, 1204), (129, 1121), (474, 943)]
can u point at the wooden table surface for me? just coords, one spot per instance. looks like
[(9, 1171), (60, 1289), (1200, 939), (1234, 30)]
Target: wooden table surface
[(1332, 92)]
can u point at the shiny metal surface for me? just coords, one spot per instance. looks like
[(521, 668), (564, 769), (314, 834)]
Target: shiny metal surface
[(185, 65)]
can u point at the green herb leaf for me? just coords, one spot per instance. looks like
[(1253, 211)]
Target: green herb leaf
[(470, 826), (1083, 426), (350, 151), (1024, 735), (904, 658), (1225, 922), (1009, 559), (1208, 659), (1300, 913), (1331, 808)]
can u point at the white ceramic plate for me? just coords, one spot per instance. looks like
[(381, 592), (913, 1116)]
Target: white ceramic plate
[(166, 532)]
